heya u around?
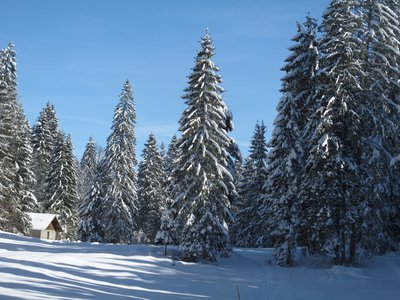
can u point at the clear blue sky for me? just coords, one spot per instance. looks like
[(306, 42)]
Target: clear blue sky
[(77, 55)]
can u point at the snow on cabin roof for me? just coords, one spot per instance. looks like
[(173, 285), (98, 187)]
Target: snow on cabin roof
[(41, 221)]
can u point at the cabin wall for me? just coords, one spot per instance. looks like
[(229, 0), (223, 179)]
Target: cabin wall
[(48, 234)]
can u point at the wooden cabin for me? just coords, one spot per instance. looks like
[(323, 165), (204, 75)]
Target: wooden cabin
[(45, 226)]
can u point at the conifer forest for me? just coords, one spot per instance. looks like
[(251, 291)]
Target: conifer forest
[(326, 182)]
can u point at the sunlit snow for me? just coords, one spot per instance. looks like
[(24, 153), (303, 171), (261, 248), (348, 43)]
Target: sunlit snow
[(35, 269)]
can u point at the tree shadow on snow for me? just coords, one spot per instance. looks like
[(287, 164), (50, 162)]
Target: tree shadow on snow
[(66, 281)]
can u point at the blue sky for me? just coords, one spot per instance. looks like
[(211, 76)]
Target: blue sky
[(77, 55)]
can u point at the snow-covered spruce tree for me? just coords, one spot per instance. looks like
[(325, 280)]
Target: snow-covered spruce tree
[(279, 222), (171, 157), (250, 188), (25, 178), (87, 169), (9, 211), (90, 210), (163, 154), (150, 189), (44, 135), (165, 235), (380, 208), (332, 185), (61, 185), (120, 204), (237, 205), (12, 214), (243, 188), (163, 178), (204, 183), (392, 11)]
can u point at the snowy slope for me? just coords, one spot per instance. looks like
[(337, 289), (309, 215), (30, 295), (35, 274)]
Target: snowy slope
[(34, 269)]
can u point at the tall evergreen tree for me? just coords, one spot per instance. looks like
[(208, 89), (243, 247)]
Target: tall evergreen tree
[(61, 185), (250, 188), (120, 208), (151, 189), (279, 222), (331, 187), (8, 209), (44, 135), (381, 143), (25, 178), (13, 167), (205, 183)]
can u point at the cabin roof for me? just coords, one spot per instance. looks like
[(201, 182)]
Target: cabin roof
[(43, 221)]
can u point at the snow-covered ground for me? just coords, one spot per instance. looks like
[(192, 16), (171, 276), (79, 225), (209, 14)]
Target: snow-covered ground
[(35, 269)]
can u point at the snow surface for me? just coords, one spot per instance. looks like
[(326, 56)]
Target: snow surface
[(36, 269), (41, 221)]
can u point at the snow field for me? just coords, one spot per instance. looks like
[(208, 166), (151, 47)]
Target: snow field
[(35, 269)]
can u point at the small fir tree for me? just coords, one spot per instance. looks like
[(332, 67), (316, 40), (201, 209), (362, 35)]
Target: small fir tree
[(90, 211), (87, 169), (150, 189), (166, 233)]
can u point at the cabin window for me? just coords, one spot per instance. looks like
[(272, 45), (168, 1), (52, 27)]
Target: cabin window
[(48, 235)]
